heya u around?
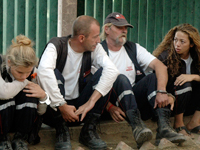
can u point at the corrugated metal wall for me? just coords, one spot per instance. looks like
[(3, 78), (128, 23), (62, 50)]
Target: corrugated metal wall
[(151, 18), (37, 19)]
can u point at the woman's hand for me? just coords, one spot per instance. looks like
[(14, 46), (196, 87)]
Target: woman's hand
[(34, 90), (183, 78)]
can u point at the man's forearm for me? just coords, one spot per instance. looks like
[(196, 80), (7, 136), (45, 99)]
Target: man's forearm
[(162, 77), (161, 73), (96, 95)]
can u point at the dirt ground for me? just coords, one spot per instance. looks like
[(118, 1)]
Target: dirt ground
[(112, 133)]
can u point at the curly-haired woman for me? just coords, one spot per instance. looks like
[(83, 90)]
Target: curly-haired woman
[(180, 52)]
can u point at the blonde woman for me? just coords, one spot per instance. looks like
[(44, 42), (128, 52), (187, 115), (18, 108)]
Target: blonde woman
[(18, 95)]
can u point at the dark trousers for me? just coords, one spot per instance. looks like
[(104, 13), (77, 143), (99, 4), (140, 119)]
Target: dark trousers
[(18, 114), (145, 94), (187, 97), (141, 95), (122, 95), (53, 118)]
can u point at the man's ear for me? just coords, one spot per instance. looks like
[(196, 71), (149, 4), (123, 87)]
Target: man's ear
[(106, 29), (81, 38), (9, 62)]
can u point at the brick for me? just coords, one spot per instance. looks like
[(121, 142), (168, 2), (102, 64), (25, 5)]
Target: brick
[(123, 146), (164, 143), (148, 146), (79, 148)]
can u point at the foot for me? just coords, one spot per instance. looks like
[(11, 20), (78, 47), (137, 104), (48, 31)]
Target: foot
[(5, 145), (63, 142), (170, 135), (142, 136), (19, 144), (194, 127), (91, 139), (183, 130), (63, 138)]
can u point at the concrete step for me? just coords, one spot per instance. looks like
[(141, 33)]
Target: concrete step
[(112, 133)]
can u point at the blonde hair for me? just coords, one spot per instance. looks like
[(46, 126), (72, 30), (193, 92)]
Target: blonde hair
[(21, 52), (103, 34), (173, 60)]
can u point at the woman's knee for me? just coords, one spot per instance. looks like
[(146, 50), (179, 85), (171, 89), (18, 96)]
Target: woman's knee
[(186, 87)]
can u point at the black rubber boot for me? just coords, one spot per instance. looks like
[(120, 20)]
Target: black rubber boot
[(165, 130), (140, 132), (89, 136), (19, 141), (62, 137), (5, 143)]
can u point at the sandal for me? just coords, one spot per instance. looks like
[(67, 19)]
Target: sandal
[(186, 130), (196, 130)]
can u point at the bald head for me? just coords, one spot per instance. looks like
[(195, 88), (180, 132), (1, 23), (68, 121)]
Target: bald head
[(82, 24)]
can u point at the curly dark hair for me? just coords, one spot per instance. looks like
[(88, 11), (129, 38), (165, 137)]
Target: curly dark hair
[(174, 59)]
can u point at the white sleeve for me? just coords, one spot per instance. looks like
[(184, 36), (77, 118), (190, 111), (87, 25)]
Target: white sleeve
[(144, 57), (109, 73), (47, 78), (10, 89)]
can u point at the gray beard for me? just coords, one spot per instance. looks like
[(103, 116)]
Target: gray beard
[(121, 43)]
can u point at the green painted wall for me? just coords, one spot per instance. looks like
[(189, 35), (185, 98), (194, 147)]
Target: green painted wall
[(37, 19), (151, 19)]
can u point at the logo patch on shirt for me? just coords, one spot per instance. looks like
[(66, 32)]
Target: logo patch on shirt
[(87, 73), (129, 68)]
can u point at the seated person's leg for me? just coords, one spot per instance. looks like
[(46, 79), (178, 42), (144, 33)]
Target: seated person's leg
[(145, 90), (62, 130), (88, 135), (194, 124), (123, 98), (25, 115), (54, 119), (183, 95), (7, 109)]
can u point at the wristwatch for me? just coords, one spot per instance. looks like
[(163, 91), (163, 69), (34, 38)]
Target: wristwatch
[(161, 91), (47, 101)]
